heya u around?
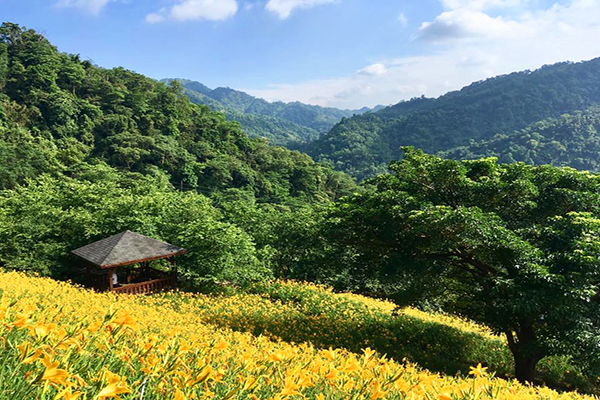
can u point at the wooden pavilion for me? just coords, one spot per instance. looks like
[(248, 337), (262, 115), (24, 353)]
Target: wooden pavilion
[(106, 259)]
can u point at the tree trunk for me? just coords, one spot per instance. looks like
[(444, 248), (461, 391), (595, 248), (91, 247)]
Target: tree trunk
[(525, 368), (525, 352)]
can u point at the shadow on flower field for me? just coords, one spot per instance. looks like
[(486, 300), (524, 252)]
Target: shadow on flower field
[(298, 312)]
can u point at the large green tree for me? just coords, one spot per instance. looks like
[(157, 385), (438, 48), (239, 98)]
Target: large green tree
[(516, 247)]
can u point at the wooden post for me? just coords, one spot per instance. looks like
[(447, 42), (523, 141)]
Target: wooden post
[(110, 284), (174, 271)]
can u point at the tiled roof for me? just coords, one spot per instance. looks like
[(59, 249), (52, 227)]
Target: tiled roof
[(126, 248)]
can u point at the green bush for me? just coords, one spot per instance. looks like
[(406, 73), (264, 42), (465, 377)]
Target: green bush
[(558, 372)]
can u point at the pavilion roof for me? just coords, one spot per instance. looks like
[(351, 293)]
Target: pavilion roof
[(126, 248)]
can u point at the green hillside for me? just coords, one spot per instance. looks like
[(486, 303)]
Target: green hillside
[(277, 130), (364, 145), (281, 123), (58, 113), (570, 140)]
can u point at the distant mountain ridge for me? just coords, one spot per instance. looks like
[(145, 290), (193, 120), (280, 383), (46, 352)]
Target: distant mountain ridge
[(363, 145), (569, 140), (282, 123)]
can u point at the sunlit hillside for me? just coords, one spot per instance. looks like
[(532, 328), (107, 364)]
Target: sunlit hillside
[(62, 342)]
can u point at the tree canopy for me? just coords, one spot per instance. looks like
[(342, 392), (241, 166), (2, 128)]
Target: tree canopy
[(86, 152), (510, 245)]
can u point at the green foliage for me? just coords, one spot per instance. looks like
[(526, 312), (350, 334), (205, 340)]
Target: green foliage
[(560, 372), (42, 222), (3, 63), (20, 157), (287, 237), (512, 246), (361, 145)]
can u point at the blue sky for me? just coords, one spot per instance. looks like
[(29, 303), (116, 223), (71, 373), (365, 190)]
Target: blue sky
[(343, 53)]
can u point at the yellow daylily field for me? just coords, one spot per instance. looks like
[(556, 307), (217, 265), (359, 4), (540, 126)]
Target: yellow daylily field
[(58, 341)]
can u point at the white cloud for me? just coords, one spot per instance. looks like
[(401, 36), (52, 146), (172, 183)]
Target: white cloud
[(156, 17), (249, 6), (467, 23), (558, 33), (212, 10), (283, 8), (481, 4), (403, 20), (374, 70), (91, 6)]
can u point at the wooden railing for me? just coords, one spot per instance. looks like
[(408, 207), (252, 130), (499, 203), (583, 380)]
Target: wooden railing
[(155, 285)]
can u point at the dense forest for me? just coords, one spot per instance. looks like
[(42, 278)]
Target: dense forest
[(286, 124), (58, 112), (363, 145)]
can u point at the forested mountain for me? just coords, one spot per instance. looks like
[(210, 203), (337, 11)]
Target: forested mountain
[(570, 140), (363, 145), (281, 123), (58, 113)]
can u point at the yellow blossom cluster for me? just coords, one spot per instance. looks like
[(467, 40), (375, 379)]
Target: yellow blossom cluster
[(62, 342)]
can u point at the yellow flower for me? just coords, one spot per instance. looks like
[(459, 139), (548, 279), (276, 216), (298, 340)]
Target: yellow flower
[(351, 366), (79, 380), (250, 383), (125, 319), (222, 345), (25, 349), (278, 356), (52, 373), (116, 386), (329, 354), (290, 388), (478, 371), (94, 327), (186, 351), (333, 374), (21, 321), (305, 381), (368, 353), (66, 394), (37, 354), (377, 393), (41, 330)]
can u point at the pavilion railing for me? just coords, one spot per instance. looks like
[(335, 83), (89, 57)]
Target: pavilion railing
[(155, 285)]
